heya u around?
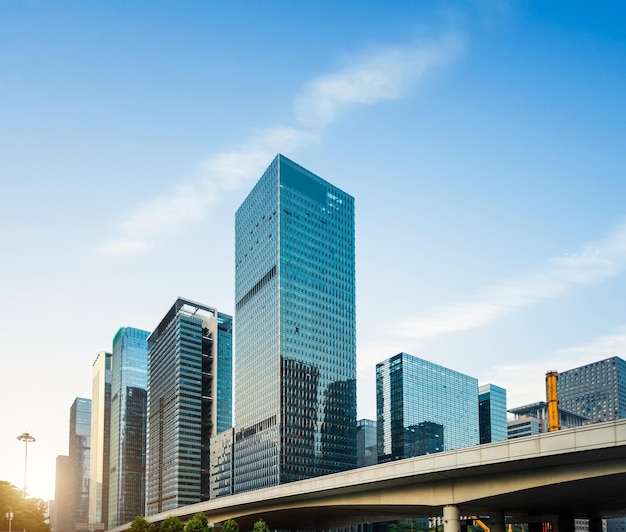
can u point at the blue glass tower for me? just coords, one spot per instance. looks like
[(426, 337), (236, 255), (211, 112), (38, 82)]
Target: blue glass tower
[(423, 408), (295, 333), (79, 459), (127, 456), (189, 375), (492, 413)]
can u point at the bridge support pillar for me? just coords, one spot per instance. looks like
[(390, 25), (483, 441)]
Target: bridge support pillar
[(451, 519), (595, 524), (565, 523), (496, 521)]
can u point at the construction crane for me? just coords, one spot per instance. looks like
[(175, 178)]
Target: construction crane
[(553, 401)]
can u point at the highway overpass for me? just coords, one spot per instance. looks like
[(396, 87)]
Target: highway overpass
[(559, 476)]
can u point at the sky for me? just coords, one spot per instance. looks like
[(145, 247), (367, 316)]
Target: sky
[(483, 141)]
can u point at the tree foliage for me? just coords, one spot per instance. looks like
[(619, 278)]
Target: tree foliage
[(172, 524), (230, 526), (198, 523), (28, 513), (261, 526), (141, 524)]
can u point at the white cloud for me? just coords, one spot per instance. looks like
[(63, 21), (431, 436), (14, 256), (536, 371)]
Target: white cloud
[(386, 74), (596, 262)]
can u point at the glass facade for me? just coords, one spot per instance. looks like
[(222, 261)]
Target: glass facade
[(224, 373), (221, 465), (492, 413), (79, 457), (127, 457), (366, 449), (185, 352), (423, 408), (596, 391), (295, 329), (100, 420)]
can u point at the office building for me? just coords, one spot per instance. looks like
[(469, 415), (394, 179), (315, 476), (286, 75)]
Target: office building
[(492, 413), (532, 419), (366, 449), (99, 461), (295, 329), (127, 457), (423, 408), (61, 517), (79, 459), (186, 401), (596, 391)]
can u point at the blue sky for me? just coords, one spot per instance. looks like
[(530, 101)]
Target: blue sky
[(483, 143)]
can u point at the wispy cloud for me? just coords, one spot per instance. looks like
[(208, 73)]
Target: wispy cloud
[(597, 261), (386, 73)]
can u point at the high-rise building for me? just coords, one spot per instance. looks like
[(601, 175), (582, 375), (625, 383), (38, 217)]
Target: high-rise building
[(61, 517), (79, 458), (127, 457), (186, 402), (222, 464), (99, 461), (596, 391), (492, 413), (295, 332), (423, 408), (366, 449)]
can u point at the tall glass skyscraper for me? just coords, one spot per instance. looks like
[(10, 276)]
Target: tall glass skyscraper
[(127, 456), (100, 442), (295, 336), (492, 413), (79, 456), (423, 408), (189, 383)]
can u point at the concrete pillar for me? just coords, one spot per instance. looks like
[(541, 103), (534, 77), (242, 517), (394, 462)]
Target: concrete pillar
[(595, 524), (565, 523), (451, 522), (496, 521)]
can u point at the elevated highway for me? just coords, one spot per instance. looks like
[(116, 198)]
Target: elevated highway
[(558, 476)]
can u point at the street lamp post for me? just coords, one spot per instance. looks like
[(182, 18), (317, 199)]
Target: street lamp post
[(26, 438)]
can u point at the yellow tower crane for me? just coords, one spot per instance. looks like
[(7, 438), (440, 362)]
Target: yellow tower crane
[(553, 401)]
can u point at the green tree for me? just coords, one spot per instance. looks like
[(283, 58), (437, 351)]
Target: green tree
[(198, 523), (230, 526), (141, 524), (172, 524), (28, 514), (261, 526)]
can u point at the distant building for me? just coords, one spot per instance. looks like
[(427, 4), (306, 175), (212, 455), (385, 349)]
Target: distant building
[(596, 391), (532, 419), (186, 402), (79, 458), (366, 449), (423, 408), (61, 517), (127, 455), (492, 413), (100, 421), (295, 329)]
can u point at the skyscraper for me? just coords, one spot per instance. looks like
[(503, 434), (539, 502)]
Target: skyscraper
[(423, 408), (295, 329), (127, 458), (79, 458), (99, 461), (596, 391), (189, 363), (492, 413)]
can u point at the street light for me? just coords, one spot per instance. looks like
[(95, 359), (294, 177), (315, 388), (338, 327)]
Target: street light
[(26, 438)]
